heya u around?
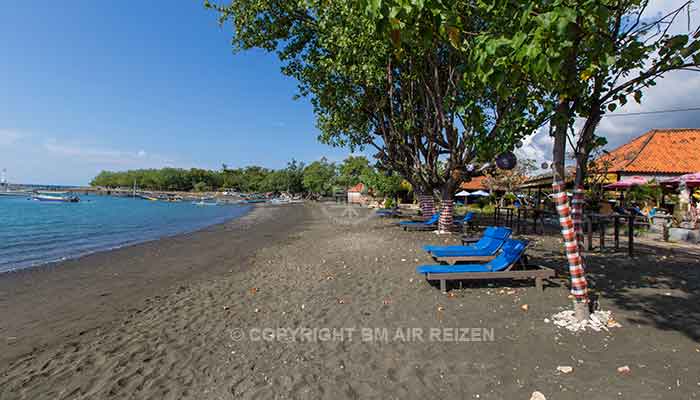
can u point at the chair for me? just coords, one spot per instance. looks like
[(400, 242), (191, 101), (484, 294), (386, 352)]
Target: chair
[(485, 247), (467, 221), (511, 263), (416, 225)]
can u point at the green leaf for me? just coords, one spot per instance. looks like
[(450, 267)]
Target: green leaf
[(612, 107), (638, 96), (676, 42)]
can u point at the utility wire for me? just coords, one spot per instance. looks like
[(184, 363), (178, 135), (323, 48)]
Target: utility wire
[(651, 112)]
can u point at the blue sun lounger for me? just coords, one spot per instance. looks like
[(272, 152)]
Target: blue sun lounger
[(510, 263), (485, 248), (416, 225), (388, 212), (467, 220)]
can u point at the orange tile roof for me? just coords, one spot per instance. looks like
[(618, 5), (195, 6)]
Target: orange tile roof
[(672, 151), (357, 188), (477, 183)]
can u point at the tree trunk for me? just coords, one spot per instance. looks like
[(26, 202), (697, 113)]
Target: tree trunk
[(427, 204), (579, 287), (447, 206), (446, 219)]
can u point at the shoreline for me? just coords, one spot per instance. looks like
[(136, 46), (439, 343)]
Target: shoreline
[(193, 330), (165, 235), (96, 289)]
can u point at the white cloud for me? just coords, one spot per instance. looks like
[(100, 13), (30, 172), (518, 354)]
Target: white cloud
[(105, 157), (676, 90), (537, 147), (8, 137), (659, 8)]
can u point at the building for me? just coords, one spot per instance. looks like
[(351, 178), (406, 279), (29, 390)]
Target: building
[(356, 194), (476, 183), (657, 154)]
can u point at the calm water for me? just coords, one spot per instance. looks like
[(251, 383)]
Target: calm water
[(34, 232)]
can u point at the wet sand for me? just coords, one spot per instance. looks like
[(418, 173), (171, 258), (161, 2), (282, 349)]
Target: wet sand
[(48, 304), (196, 332)]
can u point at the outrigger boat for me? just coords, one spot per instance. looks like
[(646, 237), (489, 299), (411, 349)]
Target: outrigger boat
[(57, 199), (10, 193), (146, 197), (205, 202)]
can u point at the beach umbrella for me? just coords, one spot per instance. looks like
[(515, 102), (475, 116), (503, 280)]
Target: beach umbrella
[(479, 193), (568, 194), (463, 193), (689, 179), (627, 183)]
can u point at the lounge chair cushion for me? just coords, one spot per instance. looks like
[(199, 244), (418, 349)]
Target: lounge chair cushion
[(432, 221), (511, 253), (489, 244)]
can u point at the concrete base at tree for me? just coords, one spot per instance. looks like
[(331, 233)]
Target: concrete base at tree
[(684, 235)]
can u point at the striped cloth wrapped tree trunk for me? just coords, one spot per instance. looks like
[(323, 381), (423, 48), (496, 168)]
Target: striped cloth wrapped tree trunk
[(577, 203), (579, 286), (427, 205), (445, 221)]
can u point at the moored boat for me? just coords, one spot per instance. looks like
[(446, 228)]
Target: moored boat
[(57, 199), (14, 194)]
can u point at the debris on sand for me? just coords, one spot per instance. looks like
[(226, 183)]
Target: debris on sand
[(599, 320), (525, 307), (537, 396), (565, 369), (625, 369)]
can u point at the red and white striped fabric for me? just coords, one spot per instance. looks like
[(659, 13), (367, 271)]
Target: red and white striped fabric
[(427, 205), (579, 286), (577, 203), (445, 222)]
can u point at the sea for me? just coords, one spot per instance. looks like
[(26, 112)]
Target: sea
[(33, 233)]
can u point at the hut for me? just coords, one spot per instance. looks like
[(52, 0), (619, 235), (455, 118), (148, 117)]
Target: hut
[(658, 154), (356, 194)]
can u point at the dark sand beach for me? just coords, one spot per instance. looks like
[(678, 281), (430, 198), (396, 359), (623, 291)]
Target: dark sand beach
[(182, 317)]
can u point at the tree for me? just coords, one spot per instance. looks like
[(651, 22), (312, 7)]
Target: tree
[(387, 184), (584, 55), (319, 177), (405, 98), (352, 169), (510, 180)]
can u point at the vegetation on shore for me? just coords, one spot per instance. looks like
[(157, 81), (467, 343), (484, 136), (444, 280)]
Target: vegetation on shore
[(321, 178)]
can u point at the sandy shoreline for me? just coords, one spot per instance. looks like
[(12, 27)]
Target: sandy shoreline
[(198, 340), (45, 304)]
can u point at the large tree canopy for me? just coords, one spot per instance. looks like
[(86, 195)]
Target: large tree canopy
[(410, 99)]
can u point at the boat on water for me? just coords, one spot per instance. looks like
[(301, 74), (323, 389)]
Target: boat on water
[(206, 201), (56, 199), (146, 197), (15, 194), (51, 193)]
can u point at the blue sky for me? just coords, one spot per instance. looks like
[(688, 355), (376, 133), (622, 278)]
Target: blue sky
[(92, 85), (87, 85)]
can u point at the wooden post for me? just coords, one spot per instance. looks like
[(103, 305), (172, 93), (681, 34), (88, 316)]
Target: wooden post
[(601, 228), (666, 233), (589, 224), (630, 235), (617, 232)]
